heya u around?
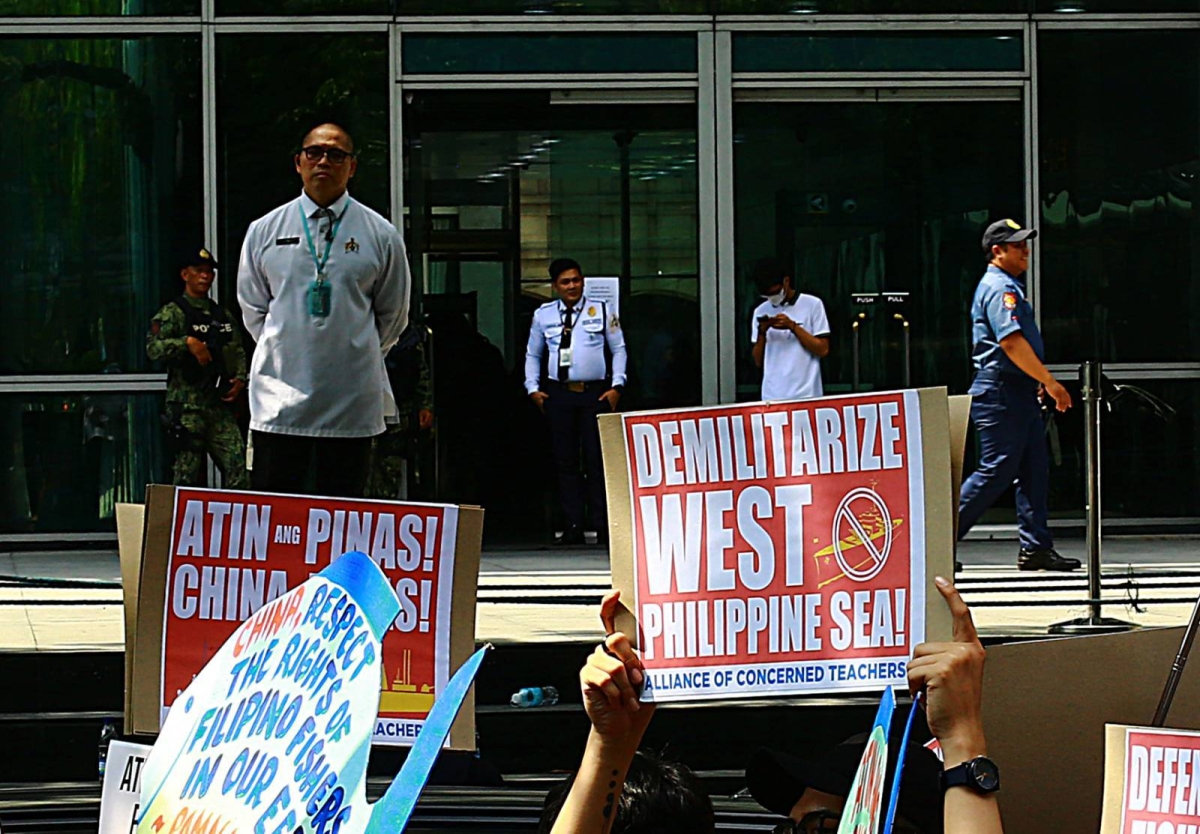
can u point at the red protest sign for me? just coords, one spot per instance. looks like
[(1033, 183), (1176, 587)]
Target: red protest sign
[(777, 548), (231, 553), (1159, 772)]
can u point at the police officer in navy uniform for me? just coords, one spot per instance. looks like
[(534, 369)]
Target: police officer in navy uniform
[(576, 338), (1010, 382)]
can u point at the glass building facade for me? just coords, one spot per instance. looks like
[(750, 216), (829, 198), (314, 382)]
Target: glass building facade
[(667, 143)]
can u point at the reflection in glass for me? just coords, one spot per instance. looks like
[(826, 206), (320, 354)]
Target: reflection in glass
[(267, 99), (250, 8), (527, 52), (1120, 224), (879, 52), (68, 459), (1145, 473), (498, 185), (866, 198), (102, 184), (48, 8), (538, 7), (806, 7), (1111, 6)]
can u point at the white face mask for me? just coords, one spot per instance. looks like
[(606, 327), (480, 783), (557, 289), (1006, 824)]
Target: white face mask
[(778, 298)]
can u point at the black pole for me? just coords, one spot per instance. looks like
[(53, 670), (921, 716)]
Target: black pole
[(1185, 649), (1091, 379)]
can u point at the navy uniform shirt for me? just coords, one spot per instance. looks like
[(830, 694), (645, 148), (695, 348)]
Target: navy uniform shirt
[(592, 328), (1001, 309)]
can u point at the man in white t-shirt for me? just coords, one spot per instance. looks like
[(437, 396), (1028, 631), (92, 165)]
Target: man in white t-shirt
[(790, 333)]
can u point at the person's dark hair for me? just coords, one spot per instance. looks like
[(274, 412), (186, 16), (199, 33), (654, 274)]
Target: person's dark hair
[(769, 272), (561, 265), (659, 797), (339, 124)]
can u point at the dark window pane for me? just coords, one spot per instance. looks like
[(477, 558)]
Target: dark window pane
[(846, 52), (48, 8), (101, 186), (68, 459), (1145, 474), (534, 7), (267, 99), (303, 7), (868, 198), (498, 185), (803, 7), (425, 54), (1119, 195), (1076, 6)]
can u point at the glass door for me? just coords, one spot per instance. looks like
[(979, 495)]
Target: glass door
[(500, 183), (879, 208)]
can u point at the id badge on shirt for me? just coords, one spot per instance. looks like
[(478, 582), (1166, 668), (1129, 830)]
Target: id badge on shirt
[(319, 298), (564, 357)]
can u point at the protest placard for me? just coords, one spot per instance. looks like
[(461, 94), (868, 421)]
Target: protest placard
[(864, 803), (1151, 781), (274, 733), (211, 559), (783, 548), (121, 791)]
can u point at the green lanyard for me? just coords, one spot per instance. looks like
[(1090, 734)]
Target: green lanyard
[(312, 250)]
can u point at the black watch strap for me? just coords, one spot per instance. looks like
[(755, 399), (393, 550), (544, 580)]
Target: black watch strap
[(979, 774)]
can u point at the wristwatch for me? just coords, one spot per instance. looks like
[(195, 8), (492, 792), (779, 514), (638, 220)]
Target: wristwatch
[(979, 774)]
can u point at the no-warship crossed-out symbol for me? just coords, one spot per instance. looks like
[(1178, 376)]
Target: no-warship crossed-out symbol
[(850, 534)]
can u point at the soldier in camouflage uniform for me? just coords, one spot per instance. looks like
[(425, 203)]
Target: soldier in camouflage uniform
[(206, 372), (408, 372)]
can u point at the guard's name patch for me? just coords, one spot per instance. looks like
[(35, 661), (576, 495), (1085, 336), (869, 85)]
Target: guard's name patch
[(1010, 301), (287, 241)]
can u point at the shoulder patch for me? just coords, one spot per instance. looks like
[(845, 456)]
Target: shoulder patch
[(1010, 301)]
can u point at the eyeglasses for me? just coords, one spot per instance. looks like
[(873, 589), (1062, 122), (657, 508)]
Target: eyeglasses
[(337, 156), (817, 822)]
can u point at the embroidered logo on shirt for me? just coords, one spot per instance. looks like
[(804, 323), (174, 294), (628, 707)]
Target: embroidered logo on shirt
[(591, 311), (1010, 301), (351, 245)]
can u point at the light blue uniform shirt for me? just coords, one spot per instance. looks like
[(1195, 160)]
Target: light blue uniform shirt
[(998, 310), (592, 329)]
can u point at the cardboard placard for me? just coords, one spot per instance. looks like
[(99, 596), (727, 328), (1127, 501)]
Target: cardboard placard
[(783, 548), (1151, 781), (1046, 704), (211, 558), (120, 795)]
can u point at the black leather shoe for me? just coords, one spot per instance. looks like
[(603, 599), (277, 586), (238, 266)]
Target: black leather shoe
[(572, 536), (1045, 560)]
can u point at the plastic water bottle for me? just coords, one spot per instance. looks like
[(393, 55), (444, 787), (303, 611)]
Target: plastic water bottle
[(107, 733), (535, 696)]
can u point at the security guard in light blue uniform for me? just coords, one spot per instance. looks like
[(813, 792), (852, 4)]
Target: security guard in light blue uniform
[(583, 353), (1010, 380)]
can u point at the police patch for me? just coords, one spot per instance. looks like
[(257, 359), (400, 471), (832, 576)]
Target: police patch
[(591, 311), (1010, 301)]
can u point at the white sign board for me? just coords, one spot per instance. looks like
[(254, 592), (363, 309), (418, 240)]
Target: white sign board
[(122, 789), (607, 290)]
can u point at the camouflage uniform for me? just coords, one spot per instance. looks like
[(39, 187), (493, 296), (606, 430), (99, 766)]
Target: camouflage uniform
[(193, 401), (408, 370)]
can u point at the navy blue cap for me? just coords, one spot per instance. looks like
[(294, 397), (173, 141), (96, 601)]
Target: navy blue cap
[(1006, 231)]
